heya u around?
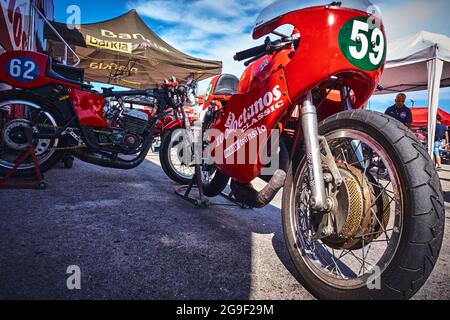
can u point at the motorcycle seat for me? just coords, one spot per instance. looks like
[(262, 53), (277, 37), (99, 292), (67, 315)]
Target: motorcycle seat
[(226, 85), (65, 73)]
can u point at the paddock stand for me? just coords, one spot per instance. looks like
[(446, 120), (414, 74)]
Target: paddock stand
[(201, 201), (28, 153), (39, 184)]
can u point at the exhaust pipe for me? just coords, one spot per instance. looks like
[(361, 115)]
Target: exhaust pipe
[(110, 161), (247, 195)]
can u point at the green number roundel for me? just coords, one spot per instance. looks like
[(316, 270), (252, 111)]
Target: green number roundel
[(363, 43)]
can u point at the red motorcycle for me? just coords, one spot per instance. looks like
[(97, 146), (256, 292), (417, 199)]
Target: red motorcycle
[(175, 154), (55, 111), (352, 232), (175, 142)]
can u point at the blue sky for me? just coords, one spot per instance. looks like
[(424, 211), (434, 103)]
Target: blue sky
[(217, 29)]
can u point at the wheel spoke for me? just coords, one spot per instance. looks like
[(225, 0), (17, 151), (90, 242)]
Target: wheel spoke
[(372, 234)]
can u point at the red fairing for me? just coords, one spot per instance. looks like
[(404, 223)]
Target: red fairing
[(265, 104), (89, 107), (172, 124), (209, 94), (319, 56)]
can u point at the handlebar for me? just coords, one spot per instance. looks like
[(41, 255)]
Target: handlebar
[(249, 53), (267, 48)]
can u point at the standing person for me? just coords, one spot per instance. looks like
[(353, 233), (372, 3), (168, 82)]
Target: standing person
[(441, 134), (400, 111)]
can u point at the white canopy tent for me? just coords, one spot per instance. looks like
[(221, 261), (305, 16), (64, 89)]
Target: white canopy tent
[(419, 62)]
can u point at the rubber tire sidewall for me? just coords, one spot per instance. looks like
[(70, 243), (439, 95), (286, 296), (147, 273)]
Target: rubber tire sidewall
[(164, 159), (217, 184)]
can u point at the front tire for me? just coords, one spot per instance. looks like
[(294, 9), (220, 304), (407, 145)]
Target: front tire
[(417, 221), (171, 157)]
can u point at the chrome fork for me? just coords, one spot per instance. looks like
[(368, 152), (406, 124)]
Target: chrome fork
[(319, 200)]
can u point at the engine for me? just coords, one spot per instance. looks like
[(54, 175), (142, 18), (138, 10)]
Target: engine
[(129, 126), (134, 121)]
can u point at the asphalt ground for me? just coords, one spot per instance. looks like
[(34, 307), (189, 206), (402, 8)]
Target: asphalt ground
[(133, 238)]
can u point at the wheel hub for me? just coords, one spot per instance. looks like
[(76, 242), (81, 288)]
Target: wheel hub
[(17, 134), (362, 210)]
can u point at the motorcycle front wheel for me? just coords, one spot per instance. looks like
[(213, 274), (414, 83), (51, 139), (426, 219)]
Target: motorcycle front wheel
[(175, 157), (388, 215)]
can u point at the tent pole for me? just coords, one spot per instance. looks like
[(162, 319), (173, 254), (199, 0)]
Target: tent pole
[(435, 68)]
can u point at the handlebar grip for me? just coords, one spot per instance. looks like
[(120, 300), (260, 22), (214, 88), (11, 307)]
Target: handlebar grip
[(249, 53), (248, 62)]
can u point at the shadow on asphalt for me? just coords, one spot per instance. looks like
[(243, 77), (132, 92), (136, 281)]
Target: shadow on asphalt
[(131, 236)]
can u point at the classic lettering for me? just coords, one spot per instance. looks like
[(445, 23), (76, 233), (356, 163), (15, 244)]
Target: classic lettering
[(257, 111)]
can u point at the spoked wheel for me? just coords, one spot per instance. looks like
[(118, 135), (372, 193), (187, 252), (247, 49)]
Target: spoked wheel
[(175, 156), (387, 224), (22, 115)]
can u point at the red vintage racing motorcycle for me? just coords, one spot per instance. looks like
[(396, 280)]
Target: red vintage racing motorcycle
[(55, 111), (176, 156), (352, 232)]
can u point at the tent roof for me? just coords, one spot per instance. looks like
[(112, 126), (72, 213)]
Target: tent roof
[(406, 67), (422, 46), (125, 51)]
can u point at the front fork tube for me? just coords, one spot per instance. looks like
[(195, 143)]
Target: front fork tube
[(319, 201)]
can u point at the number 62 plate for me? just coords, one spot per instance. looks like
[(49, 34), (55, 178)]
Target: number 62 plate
[(22, 69)]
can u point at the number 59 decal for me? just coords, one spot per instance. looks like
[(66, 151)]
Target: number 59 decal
[(363, 44), (22, 69)]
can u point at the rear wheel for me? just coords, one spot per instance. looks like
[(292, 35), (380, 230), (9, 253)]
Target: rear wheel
[(20, 114), (388, 228)]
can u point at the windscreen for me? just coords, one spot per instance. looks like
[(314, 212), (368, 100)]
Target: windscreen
[(282, 7)]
